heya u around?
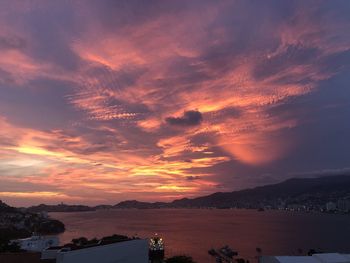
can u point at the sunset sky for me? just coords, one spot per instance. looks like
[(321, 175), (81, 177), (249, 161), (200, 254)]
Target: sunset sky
[(103, 101)]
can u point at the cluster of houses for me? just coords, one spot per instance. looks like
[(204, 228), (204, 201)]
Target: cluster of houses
[(342, 205), (335, 206)]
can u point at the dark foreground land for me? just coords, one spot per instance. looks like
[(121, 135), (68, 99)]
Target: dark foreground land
[(15, 223)]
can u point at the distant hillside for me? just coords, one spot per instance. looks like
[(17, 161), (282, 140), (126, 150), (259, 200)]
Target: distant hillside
[(294, 189), (319, 190), (311, 191), (102, 207), (4, 208), (59, 208), (16, 223), (140, 205)]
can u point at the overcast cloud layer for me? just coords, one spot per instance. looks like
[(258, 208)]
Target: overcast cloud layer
[(102, 101)]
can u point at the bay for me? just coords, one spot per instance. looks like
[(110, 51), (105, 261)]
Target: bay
[(195, 231)]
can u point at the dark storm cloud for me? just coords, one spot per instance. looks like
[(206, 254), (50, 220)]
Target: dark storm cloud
[(12, 185), (137, 12), (193, 178), (336, 62), (323, 127), (7, 141), (116, 79), (6, 78), (50, 33), (40, 105), (186, 73), (258, 21), (228, 112), (293, 55), (325, 172), (189, 118), (11, 42)]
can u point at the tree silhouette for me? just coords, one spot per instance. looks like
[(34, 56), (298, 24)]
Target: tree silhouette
[(180, 259)]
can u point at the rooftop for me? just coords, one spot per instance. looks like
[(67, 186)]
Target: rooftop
[(315, 258)]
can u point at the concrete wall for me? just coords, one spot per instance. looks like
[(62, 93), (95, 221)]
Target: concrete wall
[(268, 259), (315, 258), (133, 251), (49, 254)]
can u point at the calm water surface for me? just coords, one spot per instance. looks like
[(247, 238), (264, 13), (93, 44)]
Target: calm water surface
[(194, 231)]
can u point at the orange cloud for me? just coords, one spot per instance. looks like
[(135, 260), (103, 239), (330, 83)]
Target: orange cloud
[(128, 78)]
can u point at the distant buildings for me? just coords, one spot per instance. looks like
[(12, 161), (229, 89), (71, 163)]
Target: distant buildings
[(331, 206), (344, 205), (315, 258), (27, 222), (307, 204), (341, 206)]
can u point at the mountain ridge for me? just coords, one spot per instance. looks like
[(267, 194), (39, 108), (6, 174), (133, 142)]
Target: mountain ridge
[(292, 190)]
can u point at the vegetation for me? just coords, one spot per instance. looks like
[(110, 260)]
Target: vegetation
[(16, 223), (113, 239), (4, 208), (50, 226), (6, 246), (6, 234), (179, 259), (83, 241)]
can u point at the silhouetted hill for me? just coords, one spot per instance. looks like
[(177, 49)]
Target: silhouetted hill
[(59, 208), (311, 191), (140, 205), (6, 208), (294, 190), (102, 207), (17, 223)]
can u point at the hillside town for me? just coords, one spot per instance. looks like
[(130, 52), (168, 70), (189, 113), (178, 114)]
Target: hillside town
[(17, 224), (338, 206)]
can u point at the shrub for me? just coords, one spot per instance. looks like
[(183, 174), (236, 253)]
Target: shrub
[(180, 259)]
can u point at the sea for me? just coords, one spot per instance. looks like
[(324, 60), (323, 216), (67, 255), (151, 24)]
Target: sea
[(194, 231)]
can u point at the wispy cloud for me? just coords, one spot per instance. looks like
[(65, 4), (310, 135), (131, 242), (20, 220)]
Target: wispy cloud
[(108, 100)]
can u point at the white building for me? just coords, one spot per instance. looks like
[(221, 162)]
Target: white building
[(344, 205), (315, 258), (131, 251), (37, 243), (331, 206)]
